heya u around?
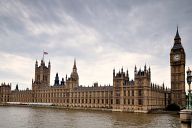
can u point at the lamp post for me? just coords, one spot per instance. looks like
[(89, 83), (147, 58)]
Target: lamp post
[(186, 114), (189, 78)]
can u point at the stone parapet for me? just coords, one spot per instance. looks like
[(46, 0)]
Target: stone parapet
[(185, 116)]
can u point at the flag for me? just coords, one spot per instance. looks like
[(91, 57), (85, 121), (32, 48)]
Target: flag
[(45, 53)]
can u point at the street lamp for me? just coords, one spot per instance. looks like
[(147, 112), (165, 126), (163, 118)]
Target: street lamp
[(189, 77)]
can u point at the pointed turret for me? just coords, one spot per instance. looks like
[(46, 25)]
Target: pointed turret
[(114, 72), (49, 64), (122, 70), (36, 64), (74, 65), (127, 73), (135, 68), (42, 63), (145, 68), (62, 81), (177, 37), (17, 88), (74, 74), (56, 79), (177, 41), (149, 69)]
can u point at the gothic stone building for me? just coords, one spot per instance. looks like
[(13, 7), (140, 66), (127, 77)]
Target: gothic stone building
[(5, 91), (125, 95), (177, 62), (138, 95)]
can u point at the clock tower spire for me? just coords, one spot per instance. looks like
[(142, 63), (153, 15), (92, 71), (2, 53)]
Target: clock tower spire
[(177, 63), (177, 33)]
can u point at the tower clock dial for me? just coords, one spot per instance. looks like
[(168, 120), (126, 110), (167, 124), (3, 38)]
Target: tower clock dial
[(176, 57)]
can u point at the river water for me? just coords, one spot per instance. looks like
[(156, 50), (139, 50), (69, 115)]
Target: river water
[(27, 117)]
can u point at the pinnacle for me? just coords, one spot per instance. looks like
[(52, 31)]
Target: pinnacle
[(177, 34)]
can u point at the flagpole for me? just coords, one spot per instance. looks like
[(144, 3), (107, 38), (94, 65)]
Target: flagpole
[(43, 55)]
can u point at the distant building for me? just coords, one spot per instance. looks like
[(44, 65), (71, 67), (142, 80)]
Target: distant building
[(138, 95)]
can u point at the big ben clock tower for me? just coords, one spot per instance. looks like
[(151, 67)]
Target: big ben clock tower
[(177, 63)]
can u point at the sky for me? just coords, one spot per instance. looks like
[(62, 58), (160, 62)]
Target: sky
[(100, 34)]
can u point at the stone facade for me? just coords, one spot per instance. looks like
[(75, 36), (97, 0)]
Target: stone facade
[(139, 95), (5, 92)]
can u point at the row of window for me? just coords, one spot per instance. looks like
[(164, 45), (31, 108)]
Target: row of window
[(78, 101), (130, 101), (130, 93), (44, 78), (93, 94)]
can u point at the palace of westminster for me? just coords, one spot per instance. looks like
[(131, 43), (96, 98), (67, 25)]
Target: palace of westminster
[(138, 95)]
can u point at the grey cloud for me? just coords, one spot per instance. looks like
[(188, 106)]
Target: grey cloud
[(90, 29), (122, 23)]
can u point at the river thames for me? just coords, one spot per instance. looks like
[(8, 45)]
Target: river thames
[(28, 117)]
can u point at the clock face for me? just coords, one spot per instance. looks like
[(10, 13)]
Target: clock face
[(176, 57)]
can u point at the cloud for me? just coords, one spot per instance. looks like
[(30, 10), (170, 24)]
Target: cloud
[(100, 35), (16, 69)]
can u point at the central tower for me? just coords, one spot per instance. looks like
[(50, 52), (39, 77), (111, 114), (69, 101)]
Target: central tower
[(74, 75), (177, 63), (42, 75)]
